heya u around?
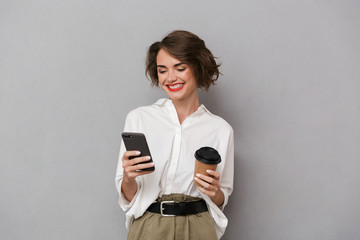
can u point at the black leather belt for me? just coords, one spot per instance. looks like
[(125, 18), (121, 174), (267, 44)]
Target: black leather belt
[(172, 208)]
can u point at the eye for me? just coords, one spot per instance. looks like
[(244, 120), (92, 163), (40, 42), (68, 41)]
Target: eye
[(181, 69), (161, 71)]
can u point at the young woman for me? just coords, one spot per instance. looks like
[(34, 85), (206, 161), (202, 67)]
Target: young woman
[(175, 128)]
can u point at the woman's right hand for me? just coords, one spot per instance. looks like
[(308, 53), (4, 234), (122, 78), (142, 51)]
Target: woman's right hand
[(132, 167), (131, 171)]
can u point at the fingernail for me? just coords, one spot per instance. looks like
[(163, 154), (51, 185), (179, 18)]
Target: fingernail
[(152, 164), (198, 174), (196, 178), (138, 152), (208, 171), (148, 157)]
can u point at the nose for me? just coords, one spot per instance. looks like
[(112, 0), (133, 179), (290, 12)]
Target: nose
[(172, 76)]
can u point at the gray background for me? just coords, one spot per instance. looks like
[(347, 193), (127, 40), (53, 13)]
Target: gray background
[(71, 70)]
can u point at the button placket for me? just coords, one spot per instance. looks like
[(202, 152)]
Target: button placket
[(173, 161)]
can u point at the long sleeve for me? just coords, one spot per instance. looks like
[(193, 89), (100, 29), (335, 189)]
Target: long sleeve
[(227, 177), (130, 126)]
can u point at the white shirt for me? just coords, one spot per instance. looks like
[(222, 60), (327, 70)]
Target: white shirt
[(172, 146)]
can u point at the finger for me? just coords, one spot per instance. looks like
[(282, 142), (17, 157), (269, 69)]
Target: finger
[(203, 184), (213, 173), (138, 167), (132, 162), (138, 160), (208, 179), (206, 191), (128, 154)]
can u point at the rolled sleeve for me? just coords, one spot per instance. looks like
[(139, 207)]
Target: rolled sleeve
[(227, 178), (130, 125), (226, 197), (125, 204)]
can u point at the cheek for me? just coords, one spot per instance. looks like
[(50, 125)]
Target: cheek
[(190, 78), (162, 81), (188, 75)]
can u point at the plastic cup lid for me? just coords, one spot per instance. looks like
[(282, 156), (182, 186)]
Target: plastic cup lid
[(208, 155)]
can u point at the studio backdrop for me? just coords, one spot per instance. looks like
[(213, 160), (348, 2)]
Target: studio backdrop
[(70, 71)]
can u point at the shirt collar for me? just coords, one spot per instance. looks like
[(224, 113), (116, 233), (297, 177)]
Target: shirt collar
[(163, 102), (167, 102)]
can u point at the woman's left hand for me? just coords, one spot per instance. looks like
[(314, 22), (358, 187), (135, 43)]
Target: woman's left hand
[(210, 186)]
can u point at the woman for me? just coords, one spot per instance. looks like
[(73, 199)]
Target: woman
[(175, 128)]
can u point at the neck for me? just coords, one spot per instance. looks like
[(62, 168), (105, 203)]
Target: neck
[(186, 107)]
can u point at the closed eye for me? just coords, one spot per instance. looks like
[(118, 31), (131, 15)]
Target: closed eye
[(161, 71)]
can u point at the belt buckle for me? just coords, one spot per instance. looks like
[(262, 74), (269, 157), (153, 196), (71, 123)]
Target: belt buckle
[(162, 209)]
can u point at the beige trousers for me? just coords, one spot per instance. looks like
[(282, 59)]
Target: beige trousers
[(153, 226)]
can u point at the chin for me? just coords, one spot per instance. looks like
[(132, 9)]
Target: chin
[(174, 95)]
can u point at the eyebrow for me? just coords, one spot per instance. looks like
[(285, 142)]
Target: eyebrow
[(176, 65)]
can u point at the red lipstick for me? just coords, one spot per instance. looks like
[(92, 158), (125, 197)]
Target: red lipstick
[(175, 89)]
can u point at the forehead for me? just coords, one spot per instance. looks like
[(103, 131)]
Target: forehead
[(165, 59)]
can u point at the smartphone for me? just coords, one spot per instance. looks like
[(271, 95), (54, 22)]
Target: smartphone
[(137, 142)]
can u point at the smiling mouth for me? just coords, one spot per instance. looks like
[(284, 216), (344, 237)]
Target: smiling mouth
[(175, 87)]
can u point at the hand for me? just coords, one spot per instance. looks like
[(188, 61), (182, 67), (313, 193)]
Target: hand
[(131, 171), (210, 186), (132, 167)]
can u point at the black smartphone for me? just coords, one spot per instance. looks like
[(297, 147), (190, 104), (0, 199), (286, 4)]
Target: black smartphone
[(137, 142)]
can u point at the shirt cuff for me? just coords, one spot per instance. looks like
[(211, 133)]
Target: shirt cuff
[(125, 204), (226, 198)]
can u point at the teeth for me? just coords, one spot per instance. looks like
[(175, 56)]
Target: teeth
[(176, 86)]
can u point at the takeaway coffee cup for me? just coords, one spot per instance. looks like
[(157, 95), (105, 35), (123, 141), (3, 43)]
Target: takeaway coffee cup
[(206, 158)]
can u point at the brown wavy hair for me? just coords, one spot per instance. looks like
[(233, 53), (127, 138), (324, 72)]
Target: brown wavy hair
[(189, 49)]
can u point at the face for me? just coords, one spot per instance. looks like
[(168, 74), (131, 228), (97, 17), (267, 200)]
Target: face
[(176, 78)]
